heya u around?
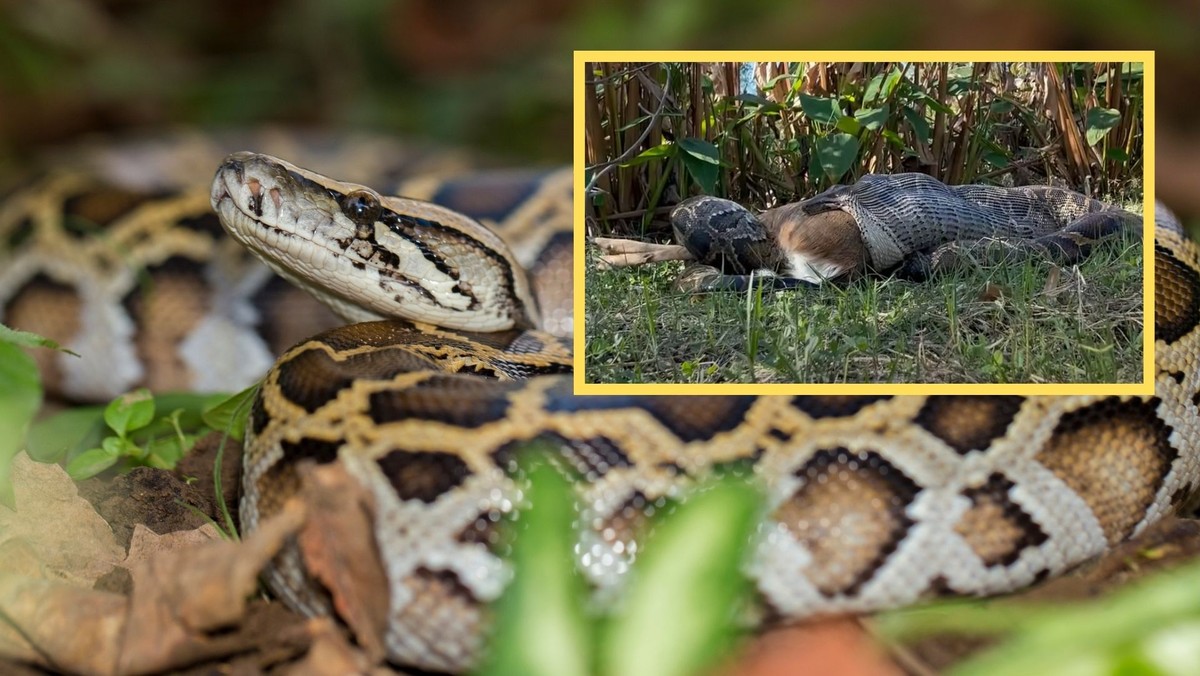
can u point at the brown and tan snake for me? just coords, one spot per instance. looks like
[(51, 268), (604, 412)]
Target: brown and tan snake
[(873, 501)]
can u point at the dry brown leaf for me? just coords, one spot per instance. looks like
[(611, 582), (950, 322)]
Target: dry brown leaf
[(180, 595), (67, 538), (63, 627), (330, 653), (338, 546), (145, 543)]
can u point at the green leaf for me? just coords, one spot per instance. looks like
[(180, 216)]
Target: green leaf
[(836, 153), (191, 406), (230, 415), (667, 149), (91, 462), (71, 431), (1001, 107), (893, 79), (919, 124), (27, 339), (687, 588), (1116, 155), (20, 397), (1058, 639), (872, 91), (936, 105), (541, 625), (130, 411), (752, 99), (702, 161), (165, 452), (997, 160), (120, 447), (872, 118), (757, 105), (1099, 121), (821, 109), (850, 125)]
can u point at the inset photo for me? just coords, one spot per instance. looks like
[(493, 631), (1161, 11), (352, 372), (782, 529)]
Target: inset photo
[(952, 222)]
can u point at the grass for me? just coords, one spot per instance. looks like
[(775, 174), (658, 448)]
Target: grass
[(1048, 325)]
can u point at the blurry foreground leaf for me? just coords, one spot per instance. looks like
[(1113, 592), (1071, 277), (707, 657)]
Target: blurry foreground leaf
[(1134, 631), (27, 339), (678, 613), (541, 625), (20, 397)]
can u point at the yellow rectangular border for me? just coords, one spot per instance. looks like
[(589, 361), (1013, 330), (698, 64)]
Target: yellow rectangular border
[(1146, 387)]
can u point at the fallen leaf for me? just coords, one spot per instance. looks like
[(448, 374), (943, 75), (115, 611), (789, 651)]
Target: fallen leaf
[(62, 531), (338, 546), (61, 626), (330, 653), (146, 544), (181, 595)]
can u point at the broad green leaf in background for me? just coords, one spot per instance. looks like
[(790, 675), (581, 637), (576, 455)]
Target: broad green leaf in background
[(872, 118), (893, 138), (66, 434), (997, 160), (836, 153), (919, 124), (679, 616), (935, 105), (667, 149), (882, 85), (702, 161), (1099, 121), (1000, 106), (821, 109), (752, 99), (889, 84), (92, 462), (849, 124), (230, 415), (20, 397), (131, 411), (873, 88)]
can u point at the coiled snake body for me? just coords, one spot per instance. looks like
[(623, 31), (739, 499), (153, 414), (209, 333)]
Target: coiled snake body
[(873, 501)]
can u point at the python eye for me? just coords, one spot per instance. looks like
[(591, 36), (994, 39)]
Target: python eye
[(362, 208)]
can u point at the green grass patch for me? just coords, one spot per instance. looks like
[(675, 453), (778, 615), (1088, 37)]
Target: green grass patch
[(1047, 325)]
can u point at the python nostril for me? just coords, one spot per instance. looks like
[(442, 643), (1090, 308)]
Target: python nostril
[(237, 167), (236, 163)]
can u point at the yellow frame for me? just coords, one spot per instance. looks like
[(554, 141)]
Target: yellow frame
[(1146, 387)]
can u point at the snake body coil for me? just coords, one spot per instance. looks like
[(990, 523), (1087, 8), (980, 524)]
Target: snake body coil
[(873, 501)]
